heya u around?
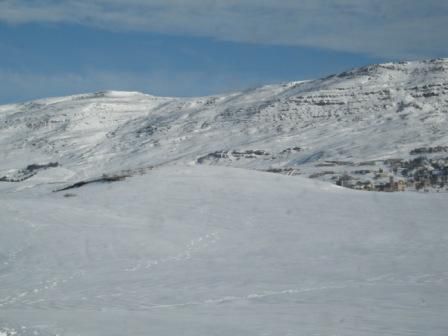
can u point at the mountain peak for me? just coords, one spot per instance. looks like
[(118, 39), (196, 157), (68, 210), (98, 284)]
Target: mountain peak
[(407, 67), (323, 128)]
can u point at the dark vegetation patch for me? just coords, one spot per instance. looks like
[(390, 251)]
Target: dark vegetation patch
[(291, 150), (367, 163), (28, 172), (248, 154), (320, 174), (429, 150), (147, 130), (109, 178), (341, 163), (103, 179), (284, 171), (335, 163), (325, 164), (34, 167), (362, 172)]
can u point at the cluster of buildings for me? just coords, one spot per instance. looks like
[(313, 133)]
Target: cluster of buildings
[(416, 174), (391, 185)]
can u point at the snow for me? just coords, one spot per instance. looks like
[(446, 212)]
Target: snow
[(223, 248), (372, 113), (223, 251)]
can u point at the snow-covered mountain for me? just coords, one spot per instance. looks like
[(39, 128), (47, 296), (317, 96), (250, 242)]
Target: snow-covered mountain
[(339, 126), (128, 214)]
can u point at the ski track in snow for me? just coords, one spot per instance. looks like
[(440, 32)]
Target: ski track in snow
[(195, 245), (31, 296)]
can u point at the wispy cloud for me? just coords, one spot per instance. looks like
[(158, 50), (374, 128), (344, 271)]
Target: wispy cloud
[(395, 28)]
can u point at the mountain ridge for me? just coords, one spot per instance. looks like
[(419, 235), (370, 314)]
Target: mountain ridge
[(128, 214), (369, 114)]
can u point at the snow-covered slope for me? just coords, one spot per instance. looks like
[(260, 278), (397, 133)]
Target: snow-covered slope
[(223, 251), (123, 213), (356, 118)]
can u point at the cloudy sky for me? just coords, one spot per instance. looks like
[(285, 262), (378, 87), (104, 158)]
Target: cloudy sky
[(200, 47)]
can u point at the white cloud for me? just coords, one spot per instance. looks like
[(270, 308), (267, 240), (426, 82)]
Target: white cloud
[(392, 28)]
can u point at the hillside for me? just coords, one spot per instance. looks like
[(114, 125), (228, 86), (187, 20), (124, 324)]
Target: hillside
[(222, 251), (123, 213), (357, 129)]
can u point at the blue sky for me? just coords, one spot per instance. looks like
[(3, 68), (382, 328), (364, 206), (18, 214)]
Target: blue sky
[(202, 47)]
